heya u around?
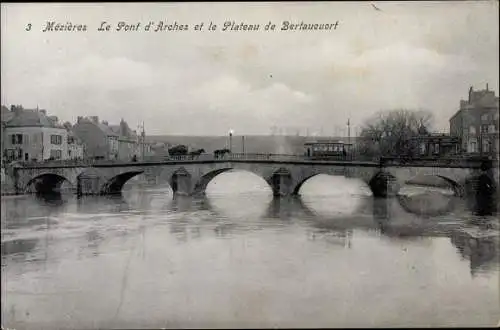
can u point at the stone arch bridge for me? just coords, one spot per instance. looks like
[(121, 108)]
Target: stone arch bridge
[(188, 177)]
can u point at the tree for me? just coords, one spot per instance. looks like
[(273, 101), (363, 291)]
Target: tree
[(221, 152), (179, 150), (67, 125), (389, 133), (197, 152)]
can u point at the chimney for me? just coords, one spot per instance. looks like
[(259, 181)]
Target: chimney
[(54, 119), (79, 119), (486, 86), (104, 122), (95, 119), (43, 111)]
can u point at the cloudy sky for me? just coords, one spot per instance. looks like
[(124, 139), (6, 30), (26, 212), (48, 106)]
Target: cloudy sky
[(405, 55)]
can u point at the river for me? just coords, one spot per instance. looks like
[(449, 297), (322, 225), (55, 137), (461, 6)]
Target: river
[(237, 258)]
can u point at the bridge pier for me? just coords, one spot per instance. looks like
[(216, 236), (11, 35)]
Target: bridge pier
[(88, 185), (384, 185), (281, 184), (182, 184), (486, 187)]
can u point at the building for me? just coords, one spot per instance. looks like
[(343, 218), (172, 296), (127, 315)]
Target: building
[(31, 135), (128, 141), (6, 115), (435, 145), (476, 123), (98, 139), (75, 146)]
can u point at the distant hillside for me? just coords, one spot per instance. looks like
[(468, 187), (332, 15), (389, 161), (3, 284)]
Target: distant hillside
[(253, 144)]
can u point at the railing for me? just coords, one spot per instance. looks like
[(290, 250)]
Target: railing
[(236, 156)]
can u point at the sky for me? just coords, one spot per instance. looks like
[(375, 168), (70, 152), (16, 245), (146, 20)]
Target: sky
[(412, 55)]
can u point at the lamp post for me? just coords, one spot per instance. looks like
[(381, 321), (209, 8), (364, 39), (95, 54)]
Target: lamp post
[(348, 131), (142, 140), (231, 140)]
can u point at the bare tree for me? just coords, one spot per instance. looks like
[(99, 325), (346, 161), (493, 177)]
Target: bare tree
[(389, 133), (67, 125)]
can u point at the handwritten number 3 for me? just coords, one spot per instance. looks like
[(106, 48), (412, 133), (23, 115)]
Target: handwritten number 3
[(28, 28)]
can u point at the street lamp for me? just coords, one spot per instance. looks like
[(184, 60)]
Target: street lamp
[(142, 139), (231, 140)]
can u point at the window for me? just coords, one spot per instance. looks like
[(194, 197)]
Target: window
[(472, 130), (56, 139), (473, 146), (491, 129), (436, 148), (10, 154), (71, 139), (422, 148), (484, 129), (484, 117), (486, 146), (56, 154), (17, 139)]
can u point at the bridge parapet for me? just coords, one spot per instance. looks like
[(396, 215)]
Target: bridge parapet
[(284, 173)]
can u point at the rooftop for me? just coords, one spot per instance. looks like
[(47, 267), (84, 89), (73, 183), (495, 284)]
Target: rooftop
[(124, 131), (484, 98), (102, 126), (29, 118), (6, 114)]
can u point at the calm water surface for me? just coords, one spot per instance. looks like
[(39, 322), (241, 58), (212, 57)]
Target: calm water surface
[(335, 257)]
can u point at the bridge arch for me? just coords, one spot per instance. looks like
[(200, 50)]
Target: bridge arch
[(202, 183), (46, 183), (116, 183), (300, 183), (458, 188)]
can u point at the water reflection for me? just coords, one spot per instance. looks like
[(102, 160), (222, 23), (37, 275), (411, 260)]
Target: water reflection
[(286, 208), (478, 246), (427, 202), (214, 256), (21, 246), (98, 204)]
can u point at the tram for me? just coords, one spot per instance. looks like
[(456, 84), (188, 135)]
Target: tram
[(328, 149)]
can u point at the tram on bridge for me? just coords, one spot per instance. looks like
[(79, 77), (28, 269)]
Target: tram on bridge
[(328, 150)]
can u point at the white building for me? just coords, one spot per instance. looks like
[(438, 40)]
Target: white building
[(75, 147), (31, 135)]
